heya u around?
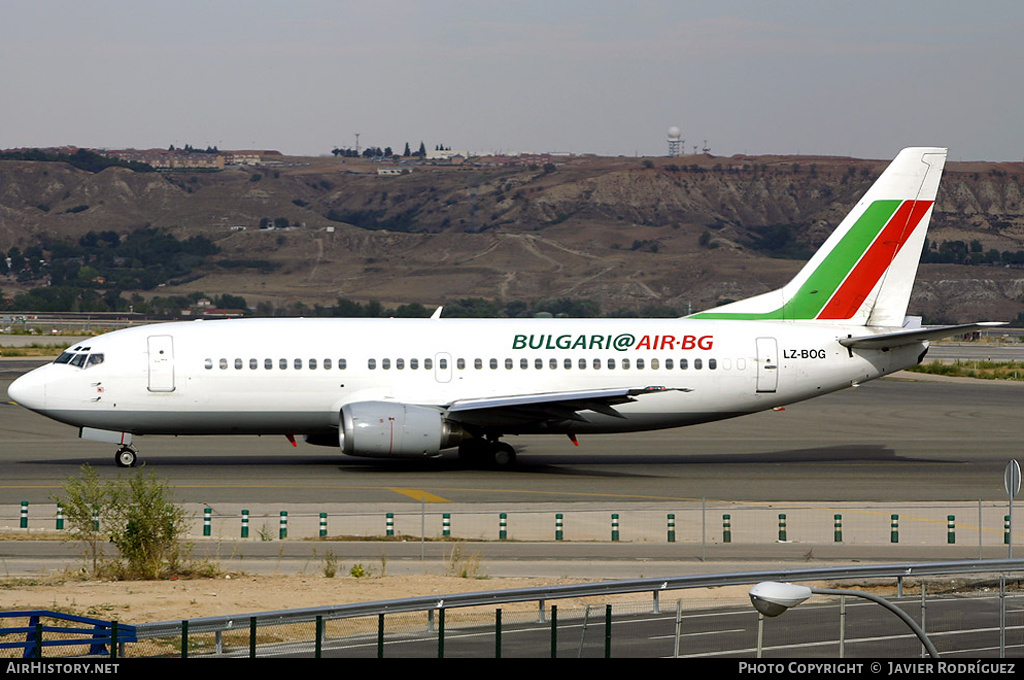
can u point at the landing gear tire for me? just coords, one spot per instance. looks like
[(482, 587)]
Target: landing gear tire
[(485, 453), (503, 455), (126, 457)]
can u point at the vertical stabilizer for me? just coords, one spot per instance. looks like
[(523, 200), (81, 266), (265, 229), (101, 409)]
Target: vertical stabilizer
[(865, 270)]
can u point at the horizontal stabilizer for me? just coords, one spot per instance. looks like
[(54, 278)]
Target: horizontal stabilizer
[(914, 335)]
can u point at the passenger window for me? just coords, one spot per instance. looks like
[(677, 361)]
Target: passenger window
[(538, 364), (414, 364), (442, 364), (282, 364), (312, 364), (625, 364), (597, 363), (524, 363), (478, 363), (208, 363), (428, 364), (297, 363), (552, 363), (639, 364), (342, 364), (611, 363), (494, 363), (669, 364), (385, 364), (460, 364), (683, 364), (508, 364), (712, 364), (238, 364), (654, 364), (697, 364), (327, 364), (254, 364), (400, 364), (583, 364), (567, 363), (223, 364), (268, 364), (371, 364)]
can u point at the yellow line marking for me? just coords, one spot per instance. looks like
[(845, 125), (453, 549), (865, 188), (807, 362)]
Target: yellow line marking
[(420, 495)]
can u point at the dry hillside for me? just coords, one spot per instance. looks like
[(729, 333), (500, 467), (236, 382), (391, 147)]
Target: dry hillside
[(628, 233)]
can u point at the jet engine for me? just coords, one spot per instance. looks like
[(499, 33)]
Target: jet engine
[(384, 429)]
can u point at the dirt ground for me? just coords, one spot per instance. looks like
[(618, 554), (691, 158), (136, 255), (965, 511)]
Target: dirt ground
[(149, 601), (135, 602)]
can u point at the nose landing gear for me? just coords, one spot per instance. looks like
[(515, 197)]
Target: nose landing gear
[(126, 457)]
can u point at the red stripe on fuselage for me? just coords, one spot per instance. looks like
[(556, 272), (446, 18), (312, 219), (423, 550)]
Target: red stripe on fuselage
[(872, 265)]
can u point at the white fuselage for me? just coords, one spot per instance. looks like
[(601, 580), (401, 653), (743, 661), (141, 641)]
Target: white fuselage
[(293, 376)]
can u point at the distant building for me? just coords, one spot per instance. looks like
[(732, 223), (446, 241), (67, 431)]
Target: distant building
[(167, 159)]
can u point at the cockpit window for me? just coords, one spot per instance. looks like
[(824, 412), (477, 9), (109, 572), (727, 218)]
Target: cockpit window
[(80, 359)]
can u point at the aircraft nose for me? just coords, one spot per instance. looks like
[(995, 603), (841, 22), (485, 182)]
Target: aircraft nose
[(29, 391)]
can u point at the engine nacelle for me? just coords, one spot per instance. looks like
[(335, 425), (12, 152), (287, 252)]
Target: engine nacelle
[(385, 429)]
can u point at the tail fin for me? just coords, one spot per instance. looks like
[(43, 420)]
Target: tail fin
[(864, 272)]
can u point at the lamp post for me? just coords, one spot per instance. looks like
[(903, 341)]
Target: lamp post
[(771, 599)]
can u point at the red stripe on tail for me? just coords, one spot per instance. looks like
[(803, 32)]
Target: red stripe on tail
[(872, 265)]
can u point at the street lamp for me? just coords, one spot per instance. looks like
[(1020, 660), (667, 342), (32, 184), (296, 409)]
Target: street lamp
[(771, 599)]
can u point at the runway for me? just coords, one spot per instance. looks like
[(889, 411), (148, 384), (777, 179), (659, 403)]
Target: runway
[(897, 439)]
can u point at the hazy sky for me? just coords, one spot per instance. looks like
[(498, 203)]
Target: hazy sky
[(862, 78)]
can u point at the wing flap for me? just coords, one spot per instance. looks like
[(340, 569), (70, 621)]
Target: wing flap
[(547, 406)]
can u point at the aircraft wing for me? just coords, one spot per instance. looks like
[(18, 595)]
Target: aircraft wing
[(543, 406), (913, 335)]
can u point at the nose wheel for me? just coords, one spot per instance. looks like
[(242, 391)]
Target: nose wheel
[(126, 457)]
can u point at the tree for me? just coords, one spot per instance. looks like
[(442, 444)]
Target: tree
[(422, 153), (407, 152)]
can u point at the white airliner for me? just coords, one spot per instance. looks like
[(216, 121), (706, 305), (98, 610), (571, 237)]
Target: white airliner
[(409, 388)]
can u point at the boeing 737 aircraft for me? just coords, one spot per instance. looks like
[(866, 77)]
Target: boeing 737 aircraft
[(409, 388)]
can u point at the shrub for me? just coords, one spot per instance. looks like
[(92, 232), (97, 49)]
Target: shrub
[(135, 514)]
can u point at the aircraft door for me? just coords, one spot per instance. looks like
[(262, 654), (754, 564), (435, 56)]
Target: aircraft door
[(767, 365), (443, 367), (161, 363)]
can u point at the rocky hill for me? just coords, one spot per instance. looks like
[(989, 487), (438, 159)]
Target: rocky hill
[(631, 234)]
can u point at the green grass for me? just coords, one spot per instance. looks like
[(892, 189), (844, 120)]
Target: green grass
[(985, 370)]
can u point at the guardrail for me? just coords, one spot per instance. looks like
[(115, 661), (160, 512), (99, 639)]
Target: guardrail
[(437, 606)]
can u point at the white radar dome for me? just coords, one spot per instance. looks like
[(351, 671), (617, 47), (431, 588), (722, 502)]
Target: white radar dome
[(674, 132)]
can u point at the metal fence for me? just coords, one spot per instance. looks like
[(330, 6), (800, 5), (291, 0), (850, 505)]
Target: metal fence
[(967, 608)]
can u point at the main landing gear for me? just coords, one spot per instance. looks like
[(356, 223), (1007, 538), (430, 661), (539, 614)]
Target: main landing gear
[(487, 453), (126, 457)]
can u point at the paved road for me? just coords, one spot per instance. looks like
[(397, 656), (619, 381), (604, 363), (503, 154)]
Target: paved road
[(893, 439)]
